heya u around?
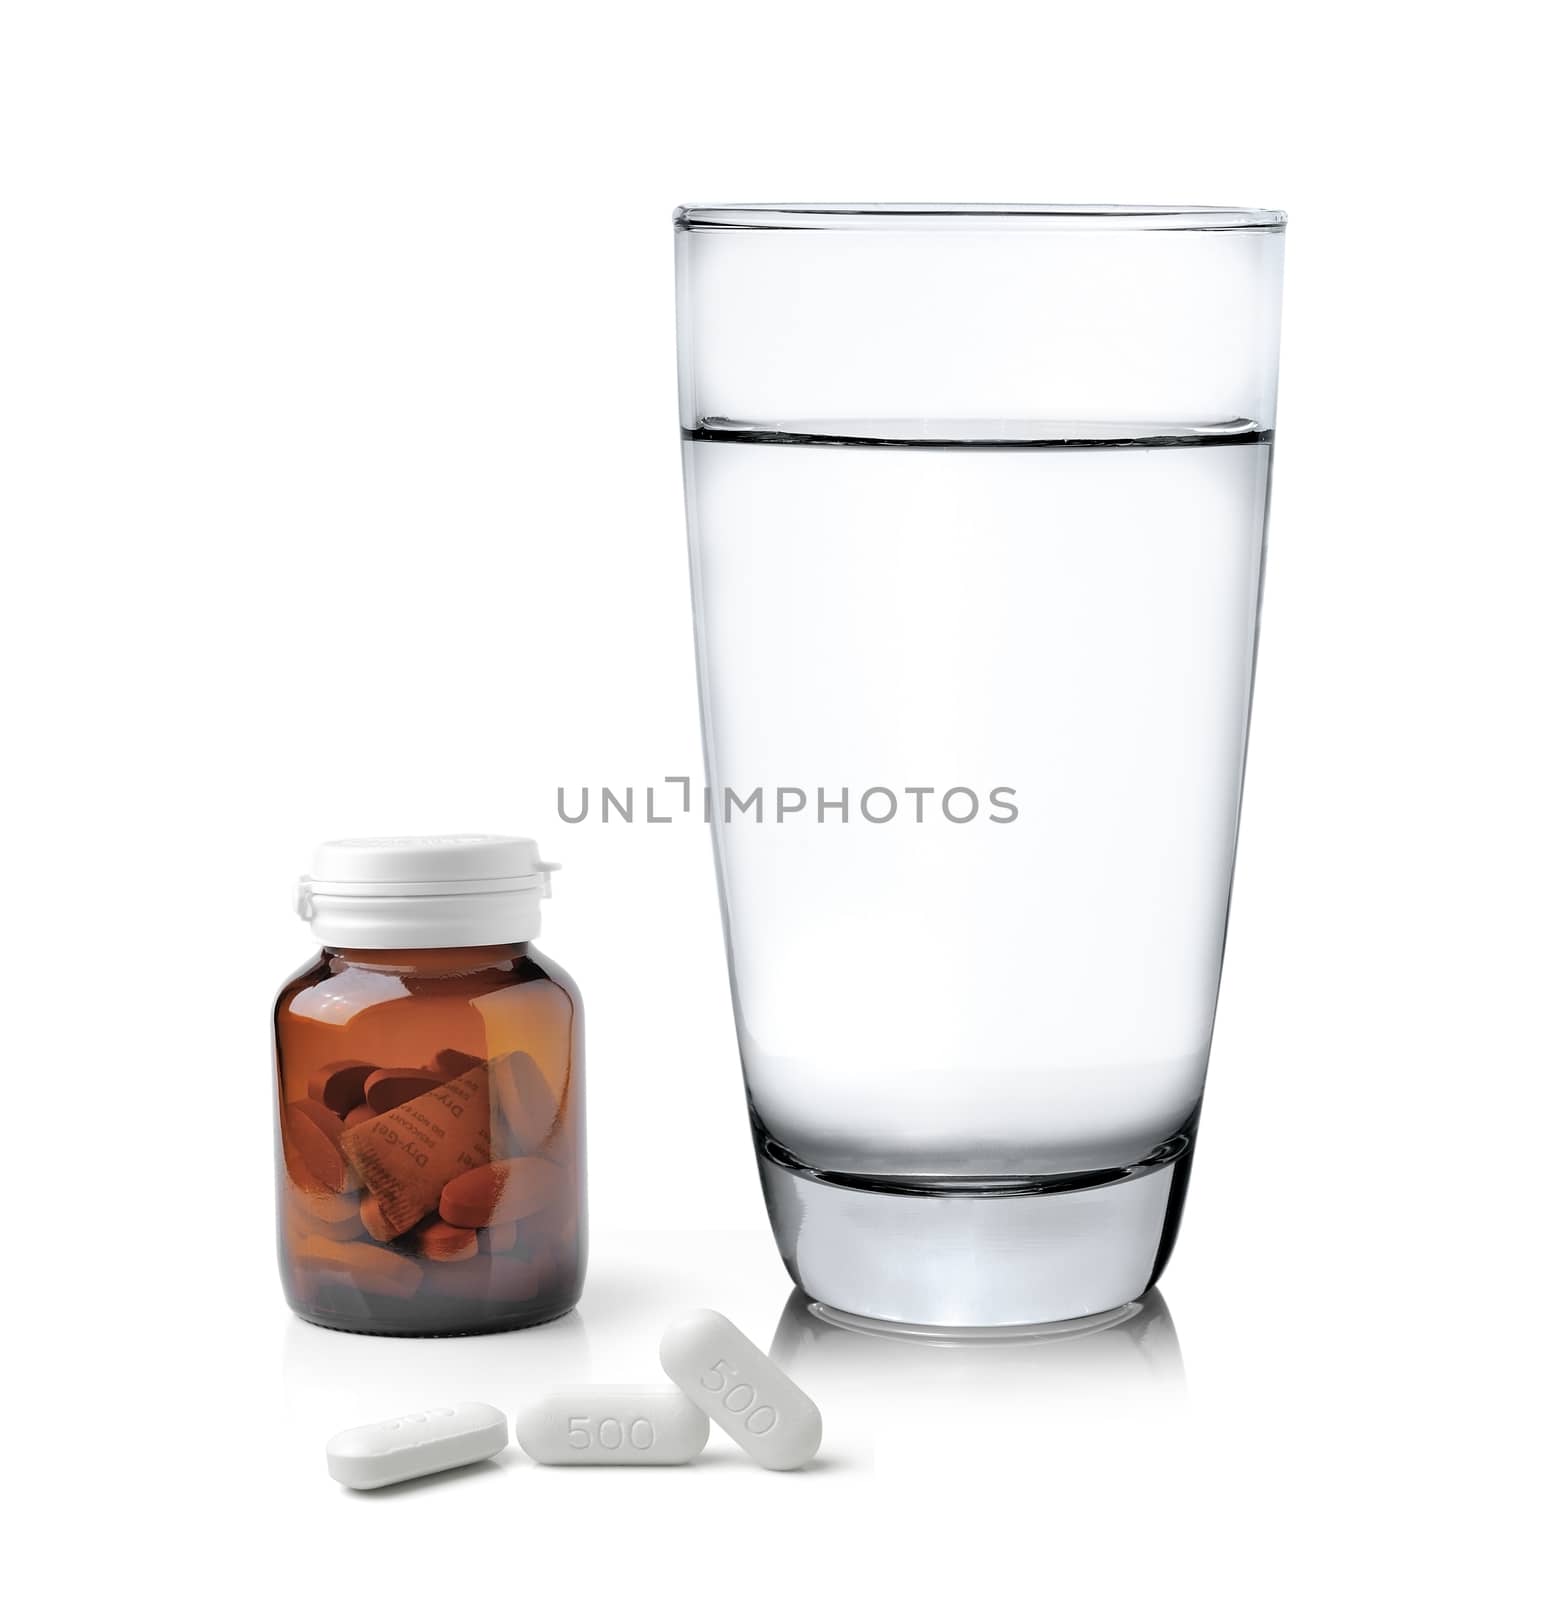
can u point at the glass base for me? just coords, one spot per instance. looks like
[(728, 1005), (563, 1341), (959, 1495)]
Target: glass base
[(976, 1260)]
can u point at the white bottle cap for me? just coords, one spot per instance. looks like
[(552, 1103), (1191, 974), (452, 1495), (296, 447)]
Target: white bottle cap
[(441, 891)]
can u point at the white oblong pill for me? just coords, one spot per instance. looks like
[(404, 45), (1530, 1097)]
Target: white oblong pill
[(755, 1402), (612, 1425), (379, 1453)]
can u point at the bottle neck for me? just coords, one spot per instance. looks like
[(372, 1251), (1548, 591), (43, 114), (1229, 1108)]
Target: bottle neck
[(447, 961)]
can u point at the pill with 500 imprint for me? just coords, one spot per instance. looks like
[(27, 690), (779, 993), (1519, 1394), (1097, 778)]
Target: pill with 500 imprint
[(755, 1402), (410, 1447), (611, 1425)]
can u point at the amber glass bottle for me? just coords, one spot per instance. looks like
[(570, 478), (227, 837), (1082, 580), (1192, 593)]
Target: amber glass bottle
[(430, 1095)]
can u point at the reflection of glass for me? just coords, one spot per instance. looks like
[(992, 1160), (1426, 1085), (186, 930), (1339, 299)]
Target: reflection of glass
[(1133, 1348), (976, 502)]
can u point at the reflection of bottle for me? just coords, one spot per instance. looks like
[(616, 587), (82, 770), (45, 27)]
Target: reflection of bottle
[(429, 1076), (318, 1369), (1121, 1352)]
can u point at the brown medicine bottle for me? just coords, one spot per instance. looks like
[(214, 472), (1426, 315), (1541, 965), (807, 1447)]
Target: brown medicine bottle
[(430, 1153)]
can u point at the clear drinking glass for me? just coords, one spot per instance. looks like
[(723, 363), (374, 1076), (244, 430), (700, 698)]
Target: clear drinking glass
[(976, 499)]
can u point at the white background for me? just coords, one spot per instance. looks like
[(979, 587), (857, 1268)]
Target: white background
[(341, 494)]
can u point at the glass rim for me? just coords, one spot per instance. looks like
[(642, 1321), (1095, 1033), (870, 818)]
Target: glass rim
[(893, 217)]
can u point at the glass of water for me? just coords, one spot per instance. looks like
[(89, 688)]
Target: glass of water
[(976, 499)]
